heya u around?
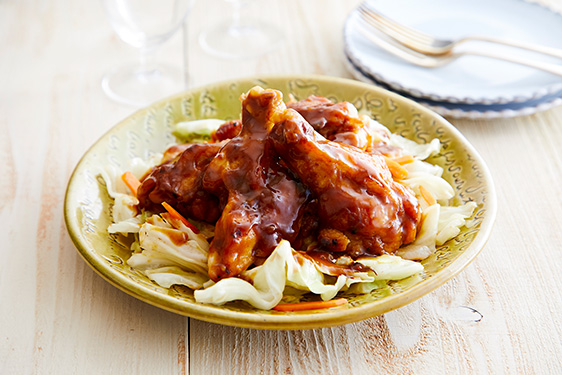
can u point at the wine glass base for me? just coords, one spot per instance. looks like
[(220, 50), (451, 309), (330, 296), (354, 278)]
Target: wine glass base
[(140, 87), (251, 39)]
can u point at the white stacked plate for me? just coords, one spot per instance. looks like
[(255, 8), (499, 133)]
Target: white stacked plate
[(472, 86)]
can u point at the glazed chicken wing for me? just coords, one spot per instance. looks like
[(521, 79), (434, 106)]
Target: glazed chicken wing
[(337, 122), (228, 130), (178, 182), (355, 190), (263, 203)]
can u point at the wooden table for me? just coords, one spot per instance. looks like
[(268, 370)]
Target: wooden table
[(501, 315)]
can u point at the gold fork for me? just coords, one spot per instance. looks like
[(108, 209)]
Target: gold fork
[(429, 45)]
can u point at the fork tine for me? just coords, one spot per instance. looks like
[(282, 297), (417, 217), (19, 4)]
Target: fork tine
[(396, 48), (378, 27), (393, 26)]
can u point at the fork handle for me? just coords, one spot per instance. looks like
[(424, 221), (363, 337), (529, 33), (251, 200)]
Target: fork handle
[(550, 51), (547, 67)]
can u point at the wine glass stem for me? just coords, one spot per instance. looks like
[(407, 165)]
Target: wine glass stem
[(148, 67)]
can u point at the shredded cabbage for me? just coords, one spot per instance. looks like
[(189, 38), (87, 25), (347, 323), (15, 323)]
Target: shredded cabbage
[(451, 219), (189, 131), (163, 245), (267, 291), (427, 175), (419, 150), (391, 267), (174, 275), (418, 168), (131, 225), (124, 210), (282, 269), (424, 244)]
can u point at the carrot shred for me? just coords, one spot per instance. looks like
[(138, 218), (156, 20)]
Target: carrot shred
[(404, 159), (427, 196), (131, 181), (397, 171), (300, 306), (175, 214)]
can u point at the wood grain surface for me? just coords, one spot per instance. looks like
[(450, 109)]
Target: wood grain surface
[(500, 315)]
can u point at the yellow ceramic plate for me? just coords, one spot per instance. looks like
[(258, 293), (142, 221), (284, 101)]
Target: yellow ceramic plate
[(87, 205)]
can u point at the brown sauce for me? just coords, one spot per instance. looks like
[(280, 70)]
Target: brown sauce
[(327, 264), (312, 177), (178, 238)]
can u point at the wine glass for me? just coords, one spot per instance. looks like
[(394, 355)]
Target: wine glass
[(240, 37), (145, 25)]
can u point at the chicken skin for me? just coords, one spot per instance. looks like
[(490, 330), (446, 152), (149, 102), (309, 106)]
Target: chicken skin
[(262, 202), (337, 122), (355, 191), (178, 182), (228, 130)]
